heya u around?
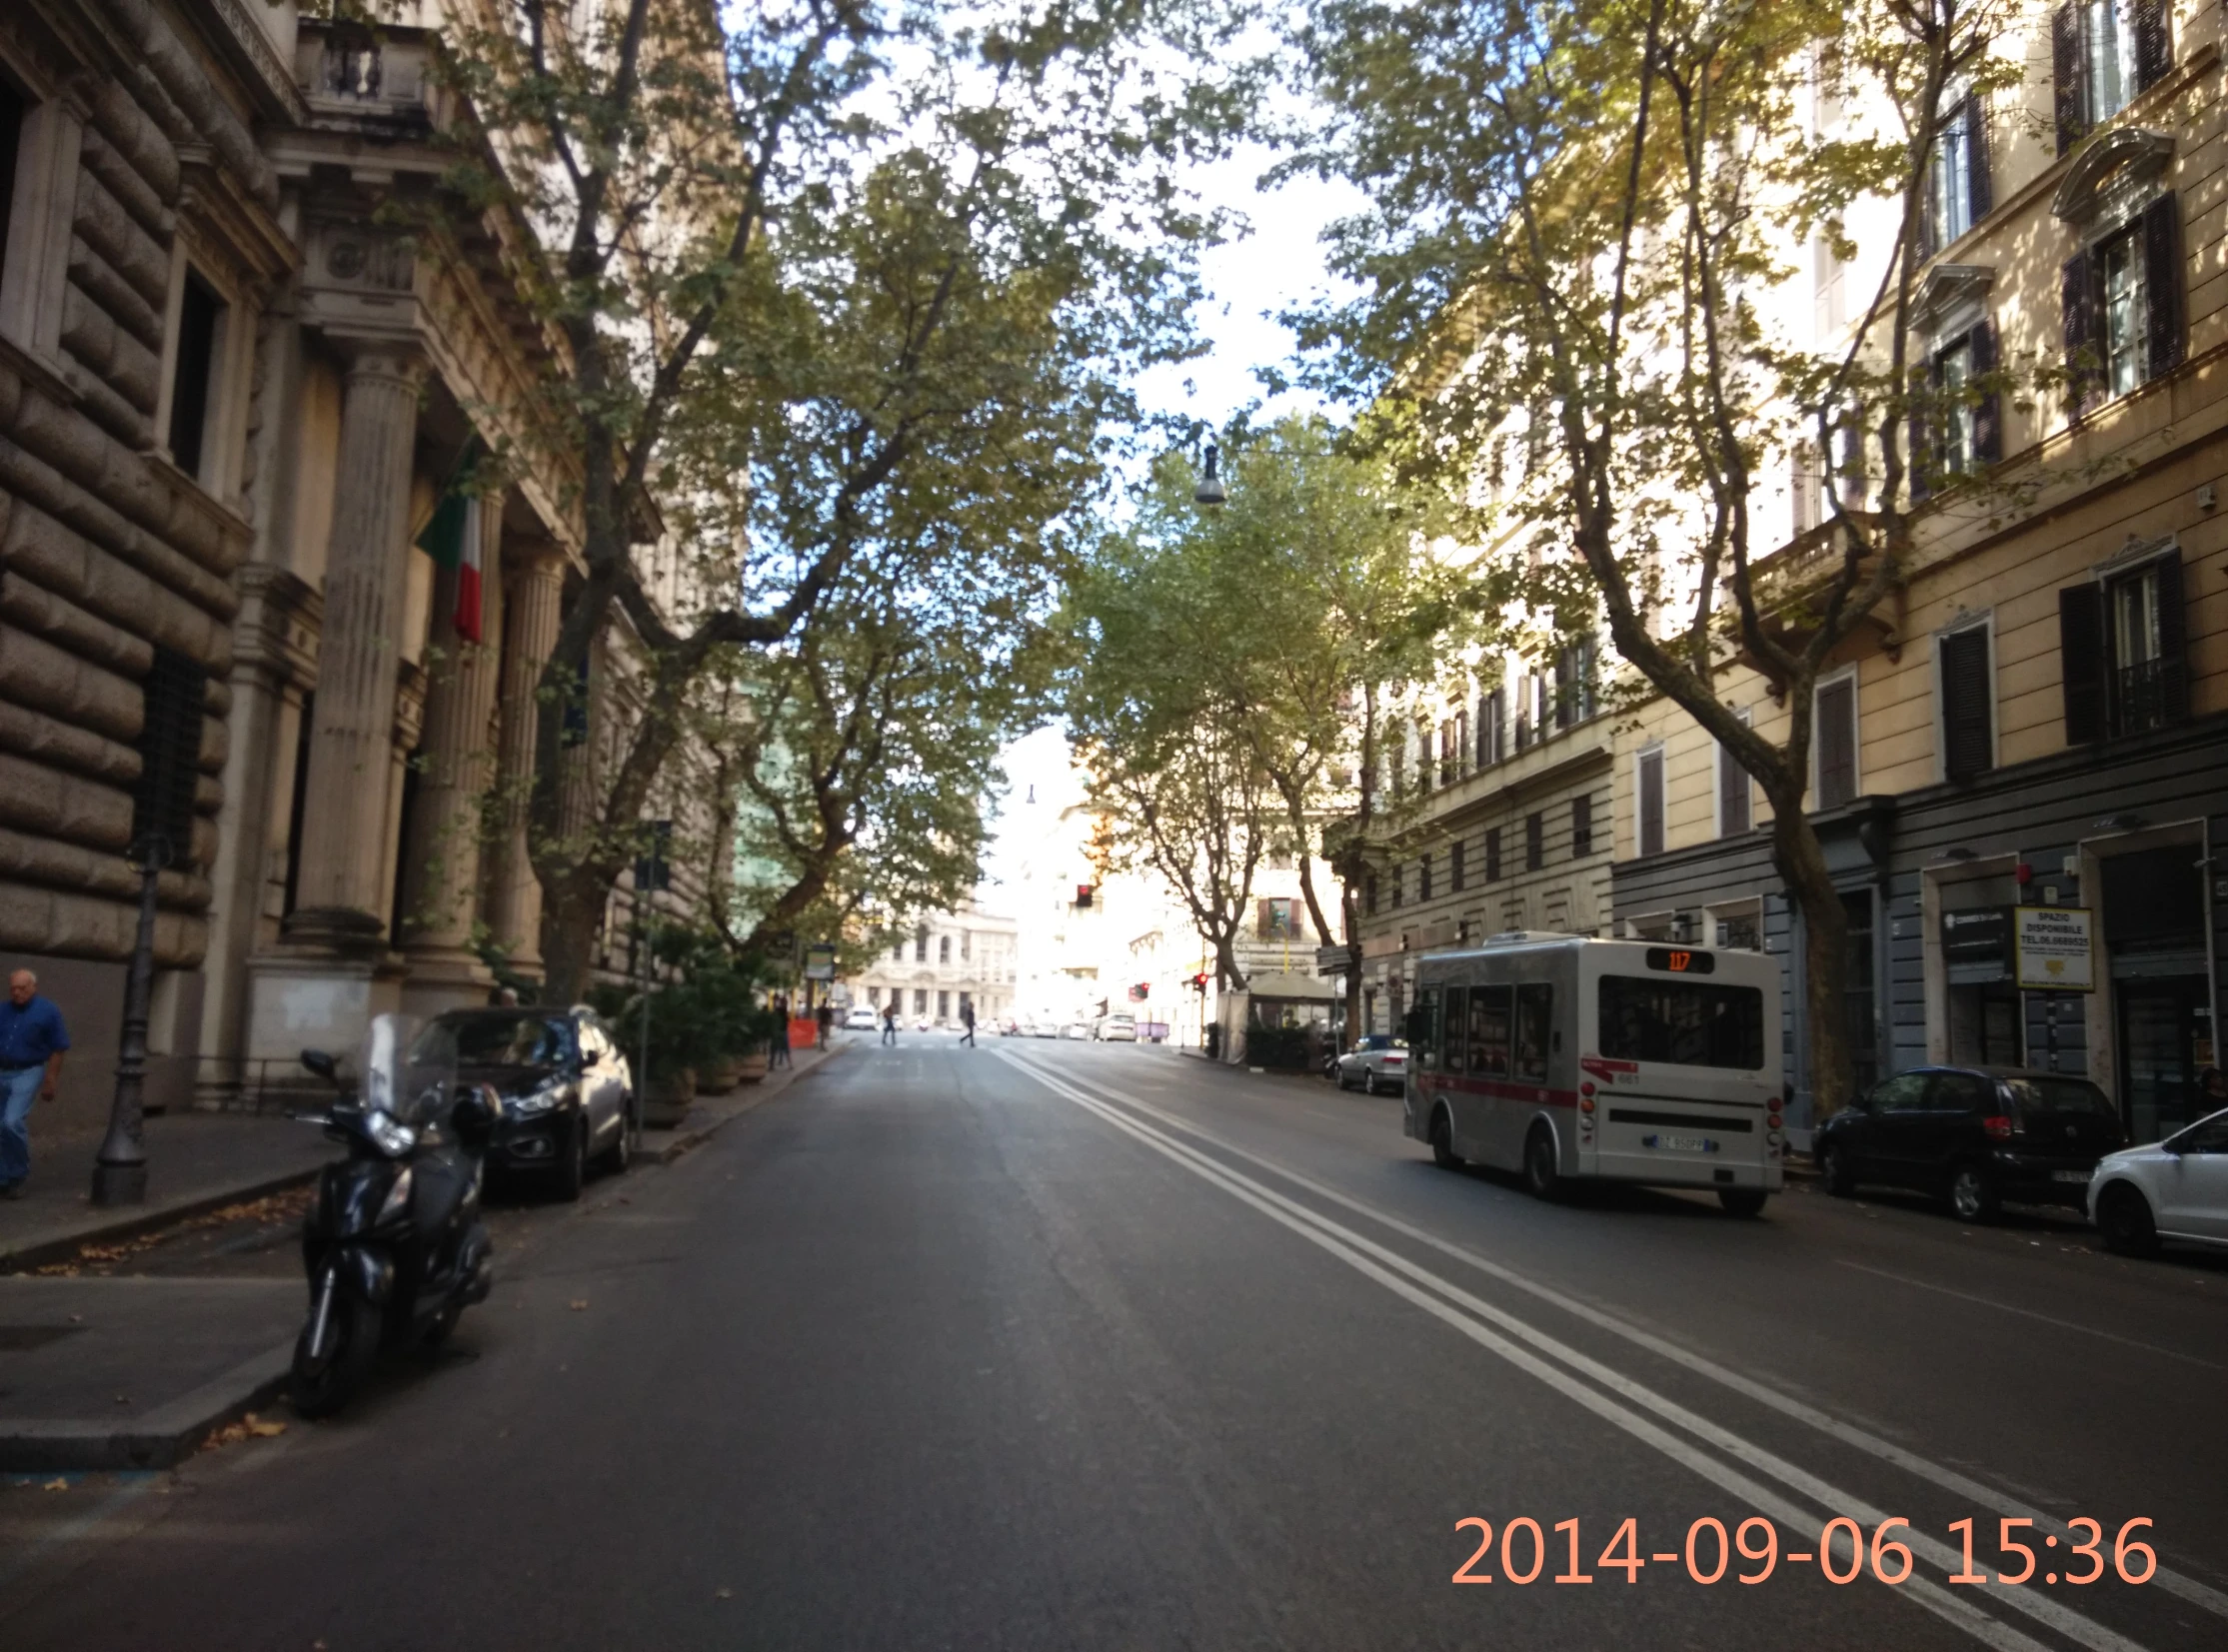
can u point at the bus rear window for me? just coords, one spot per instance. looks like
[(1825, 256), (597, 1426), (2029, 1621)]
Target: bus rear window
[(1687, 1023)]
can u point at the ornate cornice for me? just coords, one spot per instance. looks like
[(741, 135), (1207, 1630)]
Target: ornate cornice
[(2110, 174)]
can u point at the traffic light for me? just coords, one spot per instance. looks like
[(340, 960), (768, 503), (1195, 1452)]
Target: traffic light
[(1083, 897), (1141, 991), (1198, 982)]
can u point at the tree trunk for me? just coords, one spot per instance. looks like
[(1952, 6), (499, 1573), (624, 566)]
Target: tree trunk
[(1801, 863), (568, 938)]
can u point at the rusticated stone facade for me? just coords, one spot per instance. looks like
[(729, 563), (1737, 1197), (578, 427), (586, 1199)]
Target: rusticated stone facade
[(231, 396)]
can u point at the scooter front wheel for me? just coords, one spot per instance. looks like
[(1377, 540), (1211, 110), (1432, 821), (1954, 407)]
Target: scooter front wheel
[(319, 1386)]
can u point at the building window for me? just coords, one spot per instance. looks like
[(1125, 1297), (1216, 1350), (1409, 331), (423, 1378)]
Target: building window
[(1968, 701), (1492, 855), (1423, 876), (873, 997), (2123, 652), (967, 944), (2123, 306), (1462, 733), (1734, 814), (943, 948), (1582, 826), (1834, 741), (2104, 54), (1422, 759), (1959, 193), (1455, 868), (1648, 800), (921, 945), (1447, 751), (1574, 688), (1369, 894), (1535, 841), (1276, 918), (919, 1001), (13, 111), (193, 377), (1396, 882), (1395, 758)]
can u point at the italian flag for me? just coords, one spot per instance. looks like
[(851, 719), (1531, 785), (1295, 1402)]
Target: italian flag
[(452, 539)]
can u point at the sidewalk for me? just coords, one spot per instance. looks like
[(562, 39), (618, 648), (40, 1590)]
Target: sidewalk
[(196, 1161), (710, 1114)]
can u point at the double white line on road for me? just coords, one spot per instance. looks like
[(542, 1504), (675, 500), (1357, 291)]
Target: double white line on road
[(1618, 1399)]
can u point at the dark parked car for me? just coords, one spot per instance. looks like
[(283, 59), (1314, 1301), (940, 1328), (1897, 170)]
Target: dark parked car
[(1975, 1136), (567, 1092)]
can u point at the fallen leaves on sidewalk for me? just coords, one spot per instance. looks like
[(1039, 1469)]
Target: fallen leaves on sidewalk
[(250, 1426), (56, 1485), (578, 1303), (275, 1210)]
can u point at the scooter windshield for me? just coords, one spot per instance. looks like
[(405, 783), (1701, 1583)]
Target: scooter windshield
[(403, 1074)]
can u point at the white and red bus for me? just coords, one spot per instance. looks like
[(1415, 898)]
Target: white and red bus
[(1569, 1058)]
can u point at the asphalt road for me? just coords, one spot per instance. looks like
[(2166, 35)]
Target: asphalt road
[(1048, 1345)]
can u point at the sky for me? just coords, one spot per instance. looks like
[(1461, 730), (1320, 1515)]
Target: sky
[(1278, 265)]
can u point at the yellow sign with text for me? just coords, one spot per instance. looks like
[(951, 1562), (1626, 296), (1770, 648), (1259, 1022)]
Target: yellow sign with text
[(2054, 950)]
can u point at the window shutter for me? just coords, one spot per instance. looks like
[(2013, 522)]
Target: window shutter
[(2153, 53), (2162, 283), (2077, 295), (1582, 826), (1732, 794), (1651, 803), (1978, 185), (2069, 68), (1929, 230), (2174, 641), (1920, 435), (1835, 710), (2081, 661), (1988, 415), (1967, 706), (1492, 855)]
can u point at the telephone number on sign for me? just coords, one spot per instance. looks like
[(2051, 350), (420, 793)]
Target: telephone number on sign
[(1843, 1553)]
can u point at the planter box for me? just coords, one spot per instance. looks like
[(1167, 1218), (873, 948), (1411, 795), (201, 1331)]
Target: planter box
[(721, 1076), (748, 1069), (665, 1101)]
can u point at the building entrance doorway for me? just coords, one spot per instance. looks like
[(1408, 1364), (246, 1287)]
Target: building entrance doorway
[(2164, 1038), (1984, 1024)]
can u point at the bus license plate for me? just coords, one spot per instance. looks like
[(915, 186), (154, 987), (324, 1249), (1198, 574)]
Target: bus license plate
[(1681, 1144), (2083, 1178)]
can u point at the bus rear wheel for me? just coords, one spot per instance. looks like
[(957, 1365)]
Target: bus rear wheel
[(1543, 1177), (1442, 1143)]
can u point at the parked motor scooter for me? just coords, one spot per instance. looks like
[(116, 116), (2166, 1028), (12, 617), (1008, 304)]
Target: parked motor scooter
[(394, 1245)]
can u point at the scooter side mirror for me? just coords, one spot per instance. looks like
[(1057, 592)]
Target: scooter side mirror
[(322, 1065), (474, 1116)]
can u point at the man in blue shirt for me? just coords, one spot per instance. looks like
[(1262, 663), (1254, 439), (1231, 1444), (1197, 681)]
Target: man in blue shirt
[(32, 1040)]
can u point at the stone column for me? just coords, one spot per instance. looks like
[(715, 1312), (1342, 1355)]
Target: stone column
[(344, 827), (532, 604), (456, 766)]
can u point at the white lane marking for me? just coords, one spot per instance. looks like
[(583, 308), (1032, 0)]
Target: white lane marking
[(2028, 1313), (1835, 1501), (2175, 1583)]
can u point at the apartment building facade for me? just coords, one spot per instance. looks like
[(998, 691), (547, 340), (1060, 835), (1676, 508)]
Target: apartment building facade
[(1498, 818), (2038, 717), (233, 401)]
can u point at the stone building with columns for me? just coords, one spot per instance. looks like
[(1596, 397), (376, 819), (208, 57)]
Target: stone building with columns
[(231, 397)]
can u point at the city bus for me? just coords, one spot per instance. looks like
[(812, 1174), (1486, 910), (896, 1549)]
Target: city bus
[(1571, 1059)]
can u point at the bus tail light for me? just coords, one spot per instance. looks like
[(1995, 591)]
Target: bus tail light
[(1998, 1126), (1772, 1120), (1585, 1103)]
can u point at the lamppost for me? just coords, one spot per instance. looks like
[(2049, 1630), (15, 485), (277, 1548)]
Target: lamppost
[(120, 1168), (1210, 491)]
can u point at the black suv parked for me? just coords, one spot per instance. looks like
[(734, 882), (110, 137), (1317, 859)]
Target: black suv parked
[(1974, 1137), (567, 1091)]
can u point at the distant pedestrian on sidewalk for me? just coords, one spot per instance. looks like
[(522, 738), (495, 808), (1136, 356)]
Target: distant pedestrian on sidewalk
[(777, 1046), (825, 1016), (890, 1020), (966, 1019), (32, 1040)]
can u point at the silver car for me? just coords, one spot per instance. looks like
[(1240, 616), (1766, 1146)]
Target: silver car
[(2171, 1189), (1378, 1061)]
